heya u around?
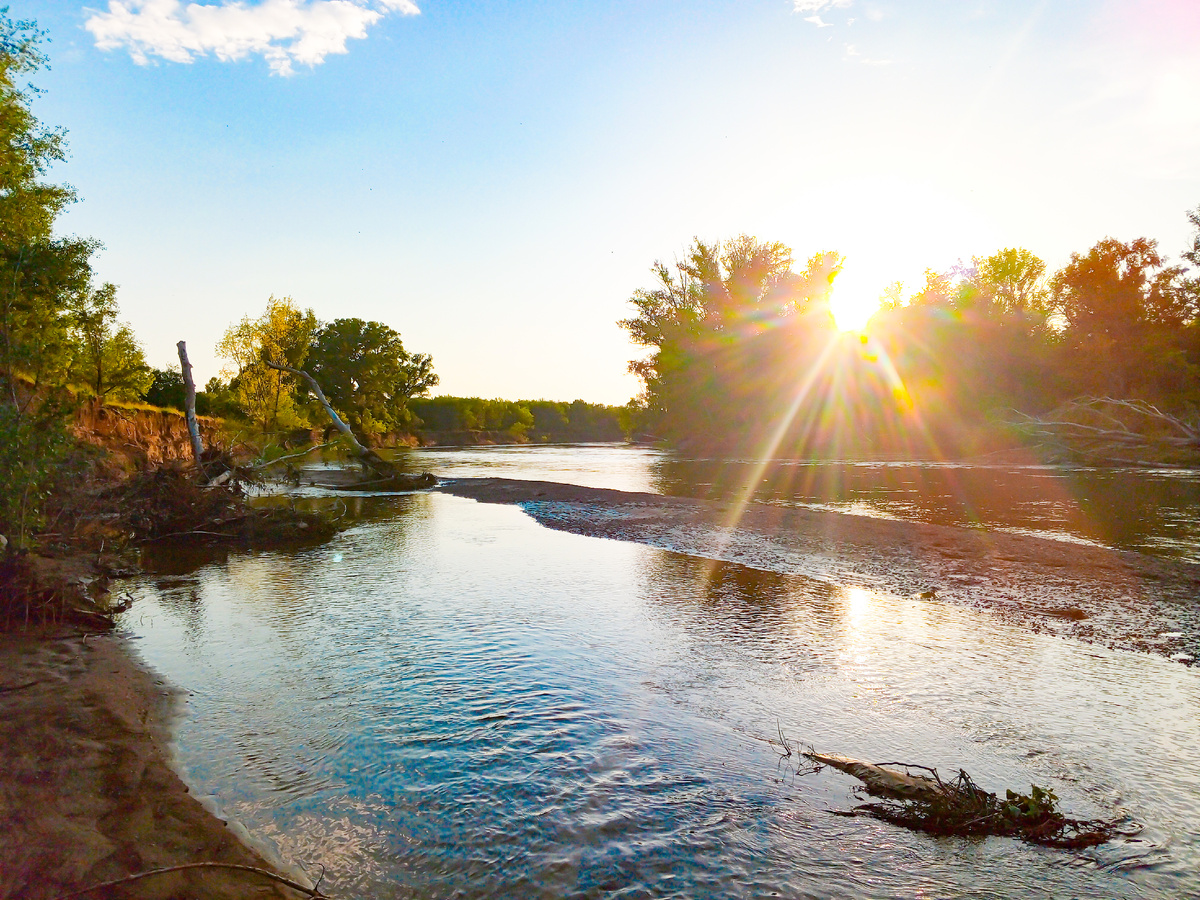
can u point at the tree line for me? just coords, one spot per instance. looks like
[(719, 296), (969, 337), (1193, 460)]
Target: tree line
[(371, 380), (745, 357)]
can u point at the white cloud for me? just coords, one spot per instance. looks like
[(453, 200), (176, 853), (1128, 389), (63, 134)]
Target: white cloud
[(283, 32), (852, 53), (817, 20), (818, 6)]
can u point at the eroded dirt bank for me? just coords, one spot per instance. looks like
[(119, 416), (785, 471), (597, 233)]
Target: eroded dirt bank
[(86, 793), (1119, 599)]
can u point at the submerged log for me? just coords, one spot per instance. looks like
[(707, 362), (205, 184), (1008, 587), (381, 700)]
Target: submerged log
[(881, 782)]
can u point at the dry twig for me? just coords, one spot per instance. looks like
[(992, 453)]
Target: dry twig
[(286, 882)]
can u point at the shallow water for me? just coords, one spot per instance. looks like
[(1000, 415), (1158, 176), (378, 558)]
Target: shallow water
[(449, 700), (1154, 511)]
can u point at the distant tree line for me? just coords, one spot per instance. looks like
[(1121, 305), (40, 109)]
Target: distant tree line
[(372, 381), (744, 356), (537, 421)]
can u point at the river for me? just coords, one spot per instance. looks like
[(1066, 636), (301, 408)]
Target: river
[(449, 700)]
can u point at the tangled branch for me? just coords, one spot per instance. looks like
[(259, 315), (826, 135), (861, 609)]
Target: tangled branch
[(1104, 427), (960, 807)]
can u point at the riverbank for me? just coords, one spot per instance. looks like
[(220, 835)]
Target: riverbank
[(1119, 599), (87, 793)]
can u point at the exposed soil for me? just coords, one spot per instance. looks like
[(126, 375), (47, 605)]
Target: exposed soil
[(86, 792), (1119, 599)]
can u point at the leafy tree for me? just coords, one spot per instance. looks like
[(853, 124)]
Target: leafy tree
[(281, 335), (167, 389), (217, 399), (1125, 311), (1011, 283), (1116, 287), (38, 272), (367, 374), (725, 327), (107, 357), (1193, 255), (39, 276)]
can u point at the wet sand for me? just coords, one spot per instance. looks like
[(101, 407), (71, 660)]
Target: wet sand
[(1120, 599), (86, 791)]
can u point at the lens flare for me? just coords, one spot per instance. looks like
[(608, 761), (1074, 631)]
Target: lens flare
[(852, 302)]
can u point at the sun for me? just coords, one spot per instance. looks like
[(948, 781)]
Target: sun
[(852, 302)]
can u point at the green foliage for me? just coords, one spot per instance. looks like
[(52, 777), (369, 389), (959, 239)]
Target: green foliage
[(367, 375), (42, 277), (39, 274), (166, 389), (538, 421), (735, 338), (281, 335), (32, 450), (106, 356), (217, 399), (744, 358)]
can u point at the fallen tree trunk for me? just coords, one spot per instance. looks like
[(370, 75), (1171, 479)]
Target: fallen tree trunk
[(881, 782), (1108, 429), (365, 454)]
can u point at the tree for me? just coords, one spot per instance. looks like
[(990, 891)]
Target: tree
[(107, 357), (281, 335), (367, 374), (725, 327), (1010, 284), (1116, 287), (39, 274), (166, 389), (1193, 255), (1125, 311)]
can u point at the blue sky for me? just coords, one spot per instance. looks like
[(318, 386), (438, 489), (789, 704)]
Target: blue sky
[(494, 179)]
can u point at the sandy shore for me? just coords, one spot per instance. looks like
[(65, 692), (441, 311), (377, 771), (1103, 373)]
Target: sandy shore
[(86, 791), (1116, 598)]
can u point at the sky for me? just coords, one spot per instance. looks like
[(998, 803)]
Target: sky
[(495, 179)]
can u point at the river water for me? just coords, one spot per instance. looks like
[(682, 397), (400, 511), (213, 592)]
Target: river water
[(449, 700)]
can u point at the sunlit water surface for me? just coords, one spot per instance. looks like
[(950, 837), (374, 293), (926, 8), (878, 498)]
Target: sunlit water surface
[(449, 700), (1152, 510)]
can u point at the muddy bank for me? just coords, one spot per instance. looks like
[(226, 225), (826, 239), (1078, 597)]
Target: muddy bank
[(1119, 599), (86, 792)]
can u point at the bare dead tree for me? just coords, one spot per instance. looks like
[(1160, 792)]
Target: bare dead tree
[(189, 403), (1106, 428)]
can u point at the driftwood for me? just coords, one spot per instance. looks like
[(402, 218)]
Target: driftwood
[(961, 807), (1105, 428), (881, 782)]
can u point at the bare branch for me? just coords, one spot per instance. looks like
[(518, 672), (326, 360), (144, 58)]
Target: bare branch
[(308, 892)]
